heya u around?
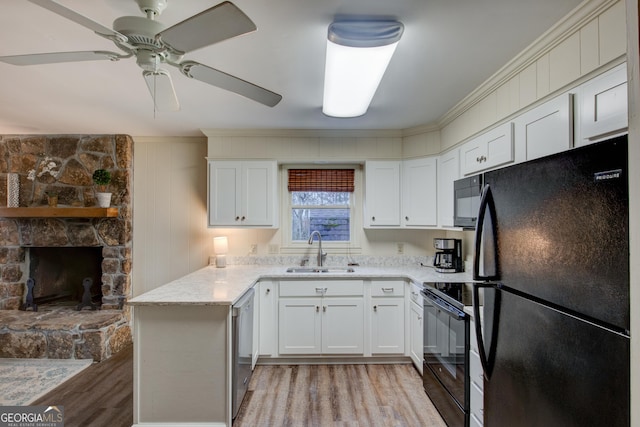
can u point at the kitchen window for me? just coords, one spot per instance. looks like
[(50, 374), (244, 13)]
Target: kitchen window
[(321, 199)]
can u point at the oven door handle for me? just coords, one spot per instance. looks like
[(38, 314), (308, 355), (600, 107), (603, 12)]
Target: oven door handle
[(451, 311)]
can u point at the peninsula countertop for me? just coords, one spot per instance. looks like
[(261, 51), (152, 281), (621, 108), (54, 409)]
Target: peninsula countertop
[(224, 286)]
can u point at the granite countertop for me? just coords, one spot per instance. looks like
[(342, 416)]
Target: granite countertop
[(224, 286)]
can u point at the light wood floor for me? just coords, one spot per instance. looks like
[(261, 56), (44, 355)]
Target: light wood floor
[(337, 395), (296, 396)]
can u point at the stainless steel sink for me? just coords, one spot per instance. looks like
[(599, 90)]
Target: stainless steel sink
[(319, 270)]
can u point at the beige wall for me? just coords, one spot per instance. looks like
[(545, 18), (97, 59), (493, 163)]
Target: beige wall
[(170, 238)]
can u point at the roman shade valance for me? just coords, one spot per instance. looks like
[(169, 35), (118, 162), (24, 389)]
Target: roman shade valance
[(333, 180)]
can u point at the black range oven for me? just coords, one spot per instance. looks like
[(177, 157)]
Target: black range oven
[(446, 350)]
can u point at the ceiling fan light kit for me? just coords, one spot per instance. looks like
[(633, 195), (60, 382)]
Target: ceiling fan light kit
[(358, 52), (155, 45)]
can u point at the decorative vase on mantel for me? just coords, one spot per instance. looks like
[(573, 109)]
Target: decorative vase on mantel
[(102, 178), (104, 199), (13, 190)]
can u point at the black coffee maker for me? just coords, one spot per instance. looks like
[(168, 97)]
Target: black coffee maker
[(448, 259)]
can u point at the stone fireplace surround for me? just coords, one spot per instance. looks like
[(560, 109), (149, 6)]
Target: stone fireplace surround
[(65, 164)]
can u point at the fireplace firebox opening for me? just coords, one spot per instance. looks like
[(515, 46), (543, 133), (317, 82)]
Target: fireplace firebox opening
[(60, 275)]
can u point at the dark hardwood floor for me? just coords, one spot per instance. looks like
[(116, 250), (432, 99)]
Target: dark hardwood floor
[(101, 395), (287, 395)]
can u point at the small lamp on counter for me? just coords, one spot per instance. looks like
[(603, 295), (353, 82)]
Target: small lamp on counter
[(221, 247)]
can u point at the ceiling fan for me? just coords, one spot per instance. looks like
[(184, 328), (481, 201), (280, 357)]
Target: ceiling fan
[(154, 45)]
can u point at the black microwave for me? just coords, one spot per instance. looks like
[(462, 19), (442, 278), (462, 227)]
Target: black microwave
[(466, 201)]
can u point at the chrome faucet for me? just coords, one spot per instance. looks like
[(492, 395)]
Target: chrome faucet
[(321, 255)]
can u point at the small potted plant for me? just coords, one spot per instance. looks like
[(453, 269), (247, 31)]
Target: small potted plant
[(102, 178)]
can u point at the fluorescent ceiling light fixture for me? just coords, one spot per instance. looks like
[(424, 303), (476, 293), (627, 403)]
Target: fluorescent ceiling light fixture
[(358, 53)]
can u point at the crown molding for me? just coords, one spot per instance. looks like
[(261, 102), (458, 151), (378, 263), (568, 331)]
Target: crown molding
[(563, 29), (306, 133)]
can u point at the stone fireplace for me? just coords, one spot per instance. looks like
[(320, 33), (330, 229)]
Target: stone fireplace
[(50, 246)]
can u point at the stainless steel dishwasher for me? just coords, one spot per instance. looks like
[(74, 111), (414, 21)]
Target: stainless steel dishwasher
[(242, 342)]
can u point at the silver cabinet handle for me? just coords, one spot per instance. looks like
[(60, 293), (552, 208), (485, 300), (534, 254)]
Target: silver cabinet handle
[(321, 290), (387, 289)]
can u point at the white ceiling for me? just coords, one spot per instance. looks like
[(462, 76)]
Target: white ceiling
[(449, 47)]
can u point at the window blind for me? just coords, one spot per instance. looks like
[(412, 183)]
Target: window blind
[(333, 180)]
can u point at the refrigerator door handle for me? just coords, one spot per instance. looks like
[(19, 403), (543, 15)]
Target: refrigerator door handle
[(487, 354), (485, 239)]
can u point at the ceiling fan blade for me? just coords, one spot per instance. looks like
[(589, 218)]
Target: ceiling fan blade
[(161, 88), (228, 82), (57, 57), (71, 15), (218, 23)]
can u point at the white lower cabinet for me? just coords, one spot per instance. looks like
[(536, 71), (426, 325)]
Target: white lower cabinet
[(267, 305), (321, 317), (476, 383), (387, 317), (416, 326)]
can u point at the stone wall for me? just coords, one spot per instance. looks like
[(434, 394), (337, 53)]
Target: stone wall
[(64, 165)]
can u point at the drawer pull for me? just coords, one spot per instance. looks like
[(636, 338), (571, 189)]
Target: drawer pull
[(387, 289), (321, 290), (317, 309)]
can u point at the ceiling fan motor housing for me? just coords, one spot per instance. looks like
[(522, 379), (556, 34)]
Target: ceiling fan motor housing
[(154, 6)]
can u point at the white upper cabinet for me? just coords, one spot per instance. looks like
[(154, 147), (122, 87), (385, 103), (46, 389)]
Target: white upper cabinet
[(603, 106), (419, 192), (382, 194), (242, 193), (489, 150), (448, 172), (544, 130)]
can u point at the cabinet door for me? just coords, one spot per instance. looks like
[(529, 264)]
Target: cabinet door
[(258, 193), (382, 194), (416, 333), (448, 172), (603, 110), (489, 150), (342, 326), (544, 130), (299, 326), (224, 201), (419, 192), (267, 318), (387, 325)]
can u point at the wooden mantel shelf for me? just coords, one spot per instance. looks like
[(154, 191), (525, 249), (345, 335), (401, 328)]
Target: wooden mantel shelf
[(67, 212)]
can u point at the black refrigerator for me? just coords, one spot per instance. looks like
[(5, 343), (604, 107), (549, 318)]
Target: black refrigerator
[(552, 262)]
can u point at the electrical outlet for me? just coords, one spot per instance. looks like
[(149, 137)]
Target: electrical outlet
[(274, 249), (400, 248), (254, 249)]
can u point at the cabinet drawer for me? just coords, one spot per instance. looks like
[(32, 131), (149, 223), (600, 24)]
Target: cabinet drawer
[(387, 288), (476, 402), (475, 369), (308, 288)]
